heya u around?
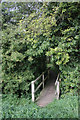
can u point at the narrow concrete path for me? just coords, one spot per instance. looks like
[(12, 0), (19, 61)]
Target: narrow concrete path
[(48, 94)]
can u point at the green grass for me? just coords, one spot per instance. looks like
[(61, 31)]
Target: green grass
[(24, 108)]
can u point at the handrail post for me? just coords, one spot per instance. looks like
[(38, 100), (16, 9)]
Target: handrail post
[(57, 87), (58, 90), (43, 80), (32, 90)]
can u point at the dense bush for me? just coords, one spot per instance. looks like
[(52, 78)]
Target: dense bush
[(66, 49), (29, 40), (17, 65), (50, 30), (24, 108)]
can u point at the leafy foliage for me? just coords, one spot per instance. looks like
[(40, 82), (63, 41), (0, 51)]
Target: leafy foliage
[(24, 108), (66, 52), (50, 30), (18, 65)]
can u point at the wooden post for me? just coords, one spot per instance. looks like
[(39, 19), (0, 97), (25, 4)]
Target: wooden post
[(43, 80), (32, 90), (57, 87)]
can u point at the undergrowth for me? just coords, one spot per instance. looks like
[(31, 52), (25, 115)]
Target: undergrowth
[(14, 107)]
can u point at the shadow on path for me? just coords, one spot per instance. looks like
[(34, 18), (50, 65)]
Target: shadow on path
[(48, 93)]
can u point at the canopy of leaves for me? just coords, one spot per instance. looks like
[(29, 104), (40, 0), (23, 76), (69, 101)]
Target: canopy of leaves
[(48, 30)]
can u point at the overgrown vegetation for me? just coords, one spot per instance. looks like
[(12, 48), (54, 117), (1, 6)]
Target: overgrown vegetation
[(52, 30), (24, 108), (37, 36)]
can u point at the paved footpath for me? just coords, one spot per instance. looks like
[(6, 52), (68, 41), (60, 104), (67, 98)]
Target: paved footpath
[(47, 95)]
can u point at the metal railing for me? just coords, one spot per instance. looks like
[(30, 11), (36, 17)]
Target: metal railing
[(33, 90)]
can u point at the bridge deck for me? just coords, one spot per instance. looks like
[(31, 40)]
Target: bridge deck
[(47, 95)]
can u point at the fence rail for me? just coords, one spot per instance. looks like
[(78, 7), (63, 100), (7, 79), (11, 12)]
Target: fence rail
[(33, 90)]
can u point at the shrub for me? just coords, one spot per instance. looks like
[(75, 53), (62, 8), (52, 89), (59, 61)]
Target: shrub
[(14, 107)]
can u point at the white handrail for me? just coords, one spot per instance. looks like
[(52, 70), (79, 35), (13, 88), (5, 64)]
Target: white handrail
[(38, 77), (57, 92), (41, 84), (38, 86), (33, 84), (32, 88)]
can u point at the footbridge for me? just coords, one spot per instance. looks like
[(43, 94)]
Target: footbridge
[(50, 88)]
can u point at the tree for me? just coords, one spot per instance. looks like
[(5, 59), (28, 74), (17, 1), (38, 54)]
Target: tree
[(53, 31)]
